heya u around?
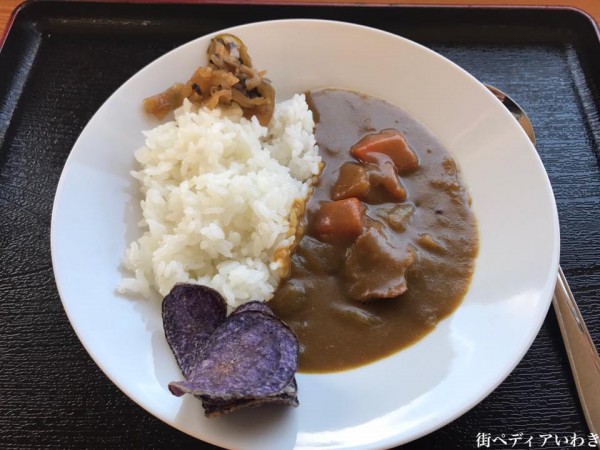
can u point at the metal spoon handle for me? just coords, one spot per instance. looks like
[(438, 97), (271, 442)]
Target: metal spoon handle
[(583, 356)]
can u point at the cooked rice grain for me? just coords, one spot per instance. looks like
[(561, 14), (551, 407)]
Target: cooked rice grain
[(218, 191)]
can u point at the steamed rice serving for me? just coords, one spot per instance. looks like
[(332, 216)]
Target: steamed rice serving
[(221, 200)]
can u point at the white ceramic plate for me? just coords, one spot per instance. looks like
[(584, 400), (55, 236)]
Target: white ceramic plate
[(380, 405)]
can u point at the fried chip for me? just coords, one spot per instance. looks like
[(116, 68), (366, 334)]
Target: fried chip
[(190, 314), (246, 359)]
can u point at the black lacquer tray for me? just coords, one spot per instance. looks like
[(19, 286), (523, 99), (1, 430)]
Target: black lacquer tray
[(61, 60)]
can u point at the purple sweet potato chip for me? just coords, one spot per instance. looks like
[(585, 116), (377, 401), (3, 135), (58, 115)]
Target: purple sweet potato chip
[(251, 355), (191, 313), (254, 305), (244, 360), (216, 407)]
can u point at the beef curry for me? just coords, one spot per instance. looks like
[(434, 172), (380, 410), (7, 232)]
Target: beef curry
[(390, 239)]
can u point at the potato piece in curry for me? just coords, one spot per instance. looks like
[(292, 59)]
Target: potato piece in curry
[(390, 240)]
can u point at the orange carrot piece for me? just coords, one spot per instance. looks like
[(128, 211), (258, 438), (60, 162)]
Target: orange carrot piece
[(342, 218), (390, 143)]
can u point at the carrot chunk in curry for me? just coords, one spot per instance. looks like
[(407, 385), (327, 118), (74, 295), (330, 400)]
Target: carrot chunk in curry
[(340, 218), (390, 143)]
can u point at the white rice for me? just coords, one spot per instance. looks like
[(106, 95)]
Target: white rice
[(218, 193)]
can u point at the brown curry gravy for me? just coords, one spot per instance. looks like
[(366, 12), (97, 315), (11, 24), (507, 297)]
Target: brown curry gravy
[(335, 331)]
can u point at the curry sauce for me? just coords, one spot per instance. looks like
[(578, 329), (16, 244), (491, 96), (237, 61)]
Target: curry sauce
[(389, 250)]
